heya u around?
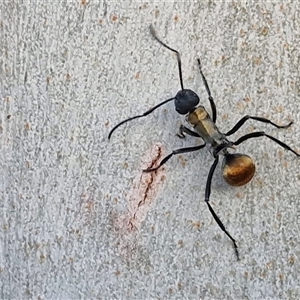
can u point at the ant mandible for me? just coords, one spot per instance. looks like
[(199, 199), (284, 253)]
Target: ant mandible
[(238, 169)]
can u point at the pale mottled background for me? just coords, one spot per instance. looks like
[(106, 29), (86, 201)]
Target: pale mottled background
[(69, 72)]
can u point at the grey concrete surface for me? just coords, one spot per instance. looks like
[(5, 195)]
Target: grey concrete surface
[(78, 218)]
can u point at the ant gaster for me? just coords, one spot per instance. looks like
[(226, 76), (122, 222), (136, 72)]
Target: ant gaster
[(238, 169)]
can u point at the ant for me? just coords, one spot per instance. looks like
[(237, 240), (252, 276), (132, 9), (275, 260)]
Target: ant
[(238, 169)]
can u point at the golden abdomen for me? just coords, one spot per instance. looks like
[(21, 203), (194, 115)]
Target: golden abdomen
[(238, 169)]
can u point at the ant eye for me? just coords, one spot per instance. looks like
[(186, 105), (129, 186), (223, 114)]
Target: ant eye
[(186, 101)]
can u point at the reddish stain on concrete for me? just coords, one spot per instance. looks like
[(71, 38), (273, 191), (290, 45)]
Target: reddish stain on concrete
[(141, 198)]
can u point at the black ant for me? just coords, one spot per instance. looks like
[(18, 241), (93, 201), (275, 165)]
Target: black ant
[(238, 169)]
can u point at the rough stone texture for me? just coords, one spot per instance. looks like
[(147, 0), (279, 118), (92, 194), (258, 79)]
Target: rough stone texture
[(78, 219)]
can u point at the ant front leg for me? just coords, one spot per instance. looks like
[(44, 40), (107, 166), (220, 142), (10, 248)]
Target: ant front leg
[(210, 98), (183, 129)]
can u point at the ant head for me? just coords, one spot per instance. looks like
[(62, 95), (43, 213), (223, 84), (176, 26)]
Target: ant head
[(238, 169), (186, 101)]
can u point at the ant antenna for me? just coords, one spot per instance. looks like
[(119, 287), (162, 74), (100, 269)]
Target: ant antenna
[(140, 116), (185, 100), (152, 31)]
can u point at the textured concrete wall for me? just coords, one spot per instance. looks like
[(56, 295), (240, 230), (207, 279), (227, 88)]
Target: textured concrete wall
[(78, 218)]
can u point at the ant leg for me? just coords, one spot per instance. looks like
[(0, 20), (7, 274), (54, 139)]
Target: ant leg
[(140, 116), (152, 31), (240, 123), (262, 133), (175, 152), (207, 195), (183, 129), (210, 98)]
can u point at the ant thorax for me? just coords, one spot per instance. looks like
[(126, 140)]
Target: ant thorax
[(205, 127)]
